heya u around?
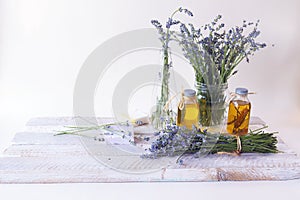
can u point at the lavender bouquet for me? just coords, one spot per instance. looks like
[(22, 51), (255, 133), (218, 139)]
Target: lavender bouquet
[(215, 53)]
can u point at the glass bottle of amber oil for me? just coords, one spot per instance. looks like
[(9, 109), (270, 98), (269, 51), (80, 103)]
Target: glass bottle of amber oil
[(188, 110), (239, 113)]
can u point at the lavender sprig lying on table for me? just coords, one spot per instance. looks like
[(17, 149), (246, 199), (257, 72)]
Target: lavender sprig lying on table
[(107, 129), (176, 141)]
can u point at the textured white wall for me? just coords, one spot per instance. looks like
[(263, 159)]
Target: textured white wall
[(44, 43)]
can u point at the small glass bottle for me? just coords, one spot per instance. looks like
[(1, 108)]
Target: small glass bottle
[(188, 110), (239, 113)]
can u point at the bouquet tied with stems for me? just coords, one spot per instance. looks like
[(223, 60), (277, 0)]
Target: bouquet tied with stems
[(178, 141)]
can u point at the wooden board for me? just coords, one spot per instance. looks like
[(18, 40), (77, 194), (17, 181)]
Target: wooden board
[(36, 156)]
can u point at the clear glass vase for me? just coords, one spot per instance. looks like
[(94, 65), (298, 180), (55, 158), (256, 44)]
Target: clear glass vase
[(158, 116), (212, 104)]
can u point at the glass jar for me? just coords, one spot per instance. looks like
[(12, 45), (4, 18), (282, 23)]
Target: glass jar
[(239, 113), (188, 110), (212, 104)]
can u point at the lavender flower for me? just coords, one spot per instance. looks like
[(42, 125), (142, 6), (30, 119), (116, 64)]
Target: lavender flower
[(174, 140), (171, 22), (186, 11)]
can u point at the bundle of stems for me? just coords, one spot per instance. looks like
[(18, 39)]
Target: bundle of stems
[(181, 142), (257, 141)]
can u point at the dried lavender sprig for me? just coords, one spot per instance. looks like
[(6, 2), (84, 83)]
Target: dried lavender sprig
[(165, 38), (77, 130)]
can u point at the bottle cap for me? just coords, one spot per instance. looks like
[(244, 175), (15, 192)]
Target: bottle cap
[(189, 92), (241, 91)]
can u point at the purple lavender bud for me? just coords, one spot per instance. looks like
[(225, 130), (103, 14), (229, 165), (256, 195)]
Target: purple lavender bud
[(254, 33), (180, 162), (186, 11)]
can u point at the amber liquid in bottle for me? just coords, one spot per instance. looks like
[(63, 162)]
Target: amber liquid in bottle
[(238, 117), (189, 116)]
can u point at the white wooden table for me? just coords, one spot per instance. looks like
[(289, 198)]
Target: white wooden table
[(36, 156)]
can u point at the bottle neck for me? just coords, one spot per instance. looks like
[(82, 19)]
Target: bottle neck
[(190, 100), (242, 97)]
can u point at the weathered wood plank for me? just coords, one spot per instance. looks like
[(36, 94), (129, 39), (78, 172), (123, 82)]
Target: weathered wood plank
[(44, 138), (64, 121), (73, 169)]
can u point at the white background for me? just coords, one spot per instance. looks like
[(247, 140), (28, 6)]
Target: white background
[(44, 43)]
